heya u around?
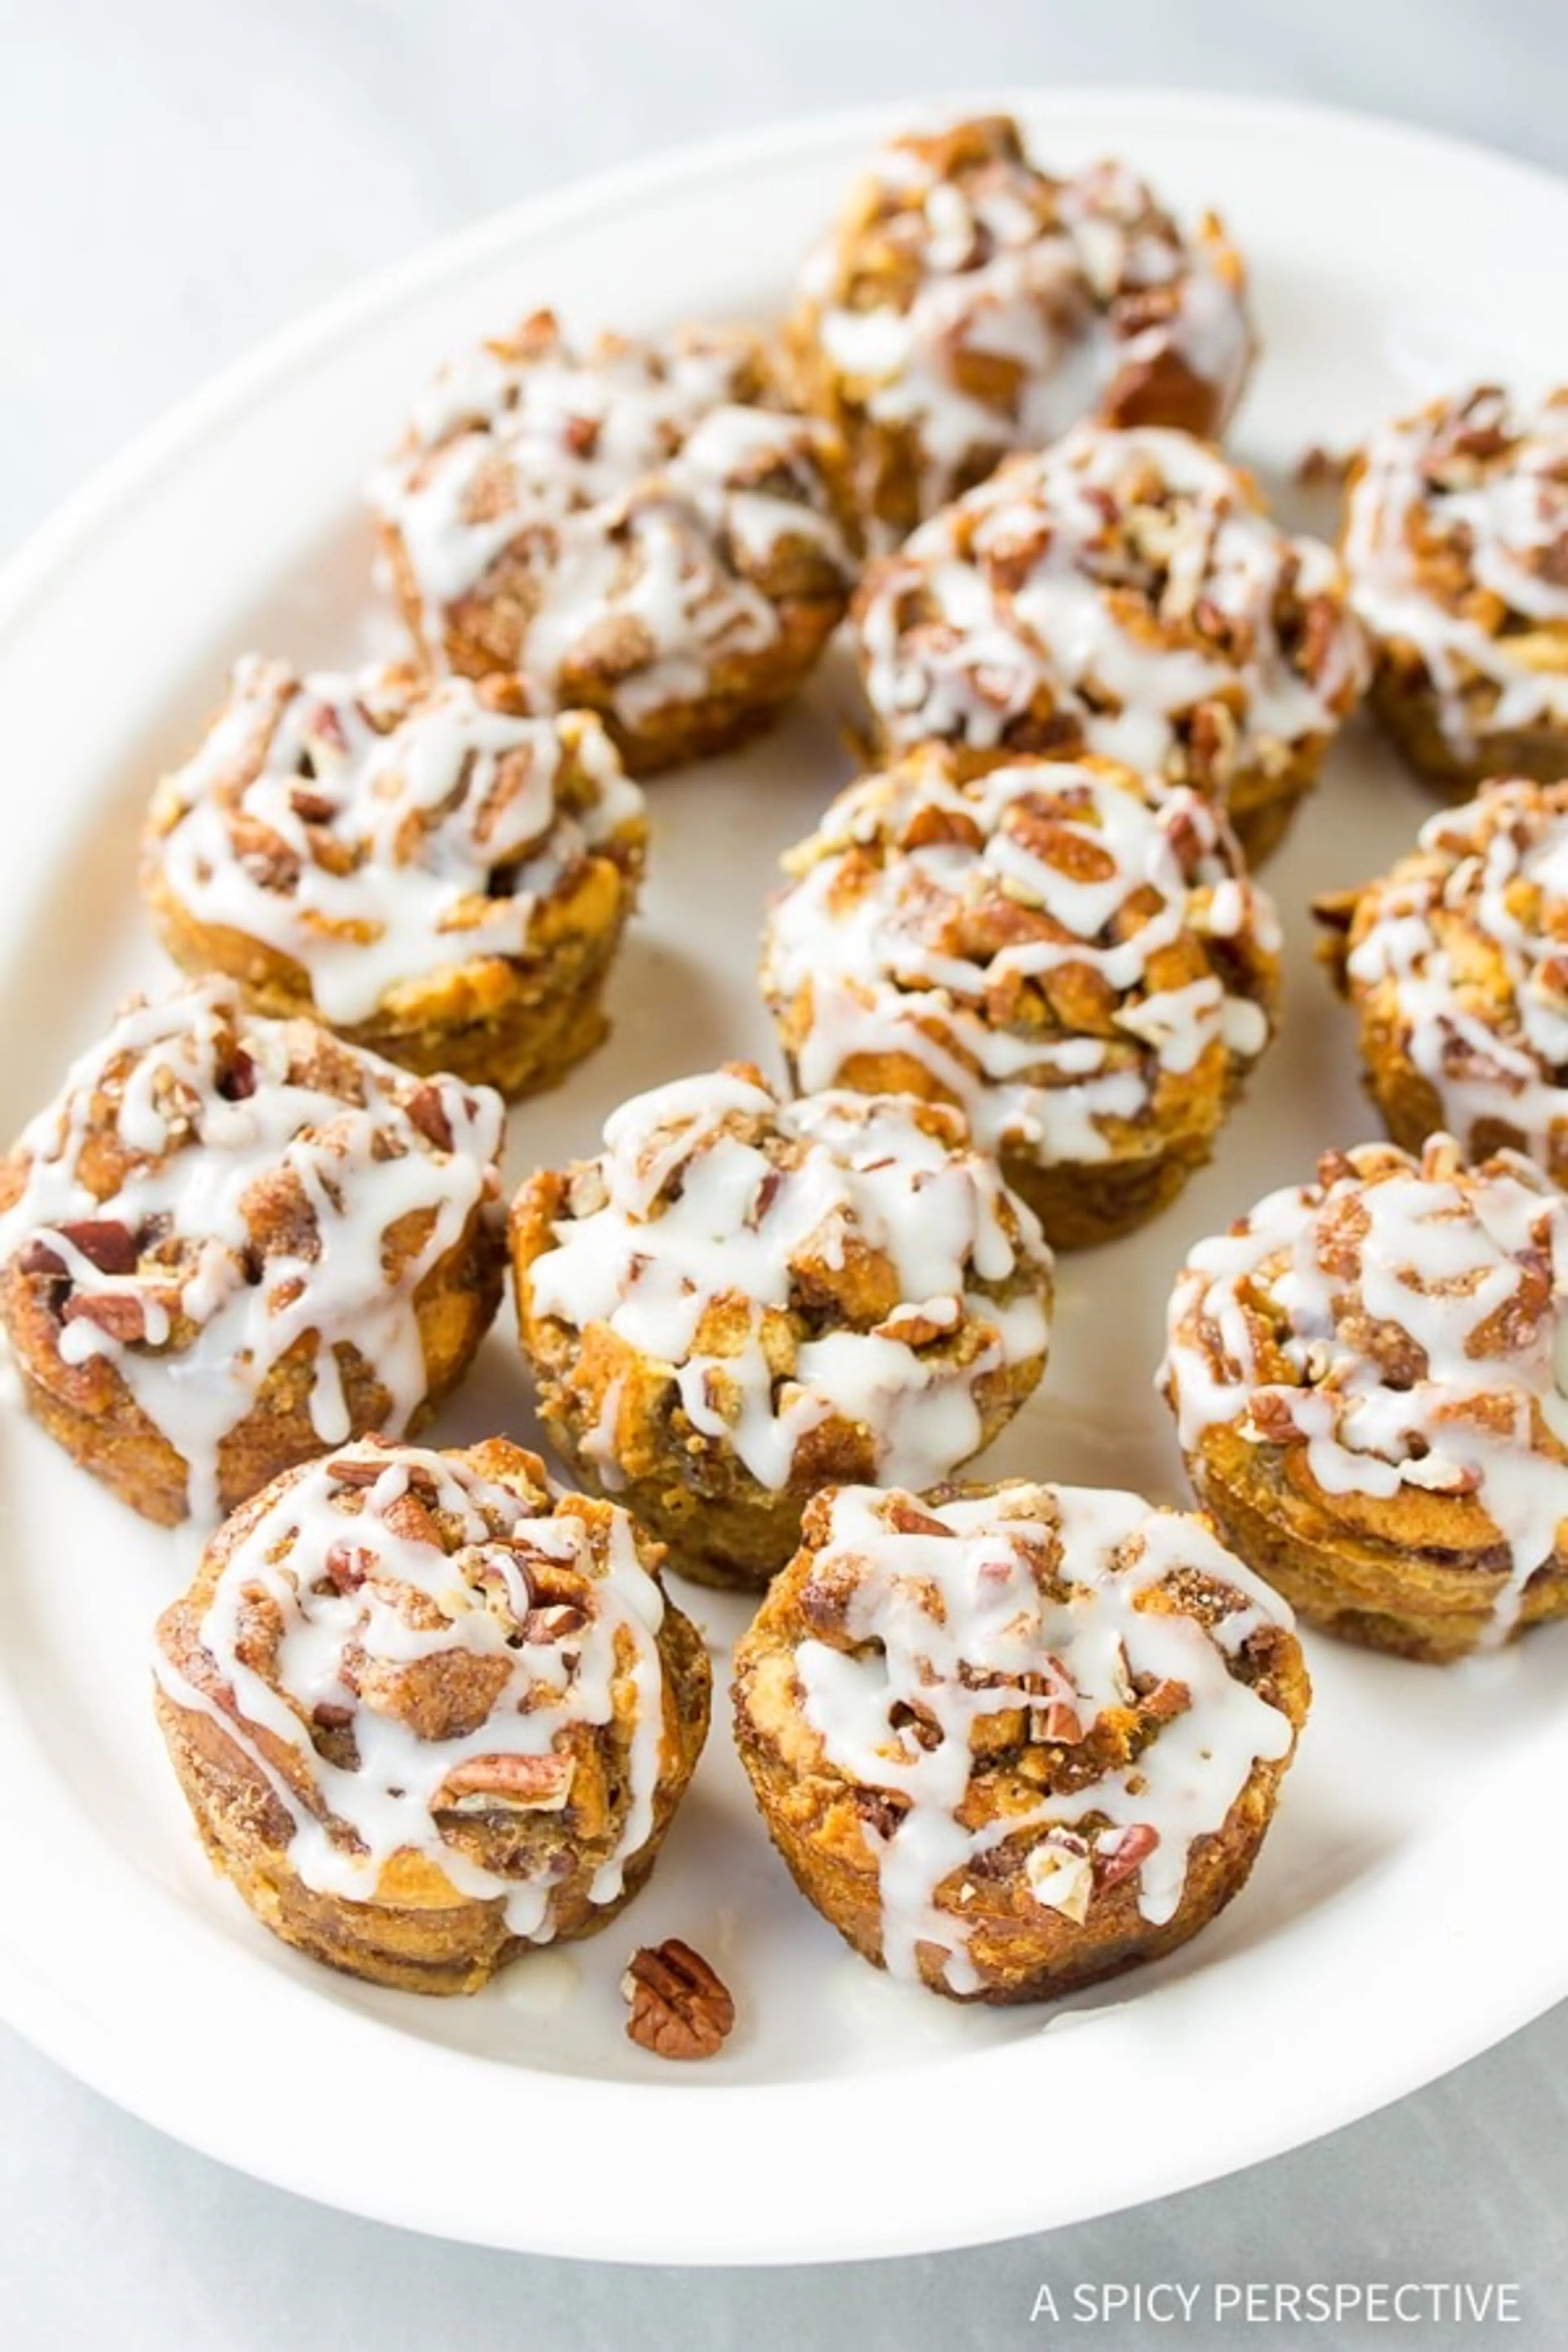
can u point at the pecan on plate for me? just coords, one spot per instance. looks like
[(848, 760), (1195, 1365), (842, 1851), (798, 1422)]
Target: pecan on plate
[(680, 2008)]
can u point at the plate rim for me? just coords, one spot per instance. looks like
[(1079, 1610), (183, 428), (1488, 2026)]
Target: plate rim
[(42, 566), (132, 468)]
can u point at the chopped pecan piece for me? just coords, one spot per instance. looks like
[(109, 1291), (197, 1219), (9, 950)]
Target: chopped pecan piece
[(348, 1565), (118, 1313), (349, 1470), (557, 1623), (407, 1516), (679, 2008), (529, 1784), (1118, 1853), (907, 1518), (239, 1082), (37, 1257), (1056, 1724), (428, 1114), (104, 1242), (1167, 1699)]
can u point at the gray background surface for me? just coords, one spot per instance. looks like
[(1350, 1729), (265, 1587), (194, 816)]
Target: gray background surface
[(177, 177)]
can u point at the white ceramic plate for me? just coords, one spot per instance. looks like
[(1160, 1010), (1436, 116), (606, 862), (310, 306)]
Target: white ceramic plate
[(1400, 1919)]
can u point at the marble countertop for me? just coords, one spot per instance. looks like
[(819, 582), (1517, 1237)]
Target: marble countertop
[(175, 181)]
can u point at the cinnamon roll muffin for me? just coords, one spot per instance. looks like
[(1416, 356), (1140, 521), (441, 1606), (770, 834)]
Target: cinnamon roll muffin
[(428, 1710), (1122, 592), (1013, 1740), (970, 302), (437, 875), (1455, 537), (1457, 963), (741, 1300), (637, 529), (1069, 951), (231, 1243), (1365, 1373)]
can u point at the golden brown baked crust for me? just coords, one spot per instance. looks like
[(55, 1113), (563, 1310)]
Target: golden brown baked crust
[(1456, 541), (743, 1300), (428, 1711), (1363, 1372), (435, 874), (1069, 951), (1014, 1740), (231, 1243), (639, 530), (969, 303), (1124, 593), (1457, 963)]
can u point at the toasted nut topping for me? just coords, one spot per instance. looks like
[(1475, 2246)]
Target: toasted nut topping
[(117, 1313), (556, 1624), (906, 1518), (104, 1242), (587, 1193), (525, 1784), (1168, 1699), (351, 1470), (37, 1257), (1056, 1723), (1118, 1853), (348, 1565), (1060, 1875), (428, 1114), (680, 2008)]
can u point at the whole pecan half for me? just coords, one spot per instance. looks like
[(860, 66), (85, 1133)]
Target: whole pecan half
[(680, 2008)]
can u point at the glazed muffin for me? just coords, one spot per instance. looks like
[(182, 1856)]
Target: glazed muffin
[(1122, 592), (1456, 541), (1457, 963), (1013, 1740), (434, 873), (1366, 1377), (743, 1300), (1069, 951), (969, 303), (428, 1710), (637, 529), (230, 1244)]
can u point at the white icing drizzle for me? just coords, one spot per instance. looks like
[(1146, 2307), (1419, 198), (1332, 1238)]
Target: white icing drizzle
[(1012, 264), (636, 484), (1421, 1307), (697, 1216), (884, 940), (956, 1628), (360, 1601), (212, 1110), (377, 829), (1456, 541), (1129, 575), (1466, 944)]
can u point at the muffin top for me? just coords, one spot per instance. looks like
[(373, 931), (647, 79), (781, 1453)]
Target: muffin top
[(629, 502), (418, 1653), (795, 1266), (1054, 945), (376, 828), (983, 304), (1120, 593), (1057, 1683), (1398, 1324), (211, 1191), (1456, 541), (1460, 956)]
